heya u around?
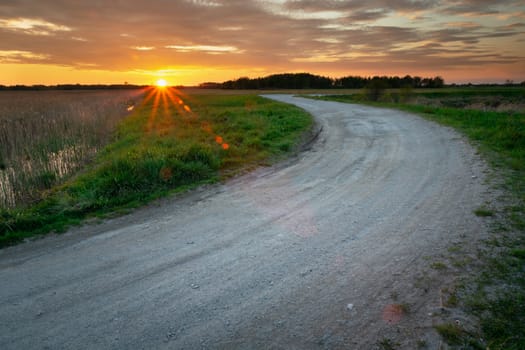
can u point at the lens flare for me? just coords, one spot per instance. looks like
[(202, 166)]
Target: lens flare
[(166, 98)]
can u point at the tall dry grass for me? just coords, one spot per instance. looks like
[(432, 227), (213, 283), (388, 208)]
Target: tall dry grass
[(45, 136)]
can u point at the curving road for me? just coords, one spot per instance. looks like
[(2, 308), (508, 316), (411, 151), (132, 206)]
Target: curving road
[(313, 253)]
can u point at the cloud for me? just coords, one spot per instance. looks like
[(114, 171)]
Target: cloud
[(14, 56), (314, 5), (32, 26), (204, 48), (143, 48), (480, 7), (269, 35), (205, 3)]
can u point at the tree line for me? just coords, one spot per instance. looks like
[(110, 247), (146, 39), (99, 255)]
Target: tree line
[(311, 81)]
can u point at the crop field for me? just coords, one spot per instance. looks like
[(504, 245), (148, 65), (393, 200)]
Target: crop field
[(45, 136)]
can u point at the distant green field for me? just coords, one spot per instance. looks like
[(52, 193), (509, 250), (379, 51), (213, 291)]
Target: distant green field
[(171, 142), (474, 91), (454, 97)]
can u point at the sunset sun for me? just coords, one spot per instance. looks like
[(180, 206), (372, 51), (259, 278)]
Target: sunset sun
[(161, 83)]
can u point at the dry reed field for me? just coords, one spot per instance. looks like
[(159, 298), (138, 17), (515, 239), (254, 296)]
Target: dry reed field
[(45, 136)]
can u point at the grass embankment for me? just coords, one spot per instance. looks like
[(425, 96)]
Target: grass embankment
[(168, 144), (499, 297)]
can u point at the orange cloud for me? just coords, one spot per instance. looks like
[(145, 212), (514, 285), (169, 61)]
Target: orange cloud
[(217, 40)]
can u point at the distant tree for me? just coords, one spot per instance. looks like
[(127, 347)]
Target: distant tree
[(438, 82), (281, 81), (407, 81), (426, 82), (375, 89), (395, 82), (350, 82), (311, 81), (416, 82), (210, 85)]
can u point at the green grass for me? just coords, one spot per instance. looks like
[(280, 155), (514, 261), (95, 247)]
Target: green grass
[(483, 212), (387, 344), (456, 336), (438, 265), (504, 326), (497, 296), (160, 150)]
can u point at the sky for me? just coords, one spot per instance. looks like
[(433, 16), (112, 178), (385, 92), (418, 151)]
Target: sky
[(188, 42)]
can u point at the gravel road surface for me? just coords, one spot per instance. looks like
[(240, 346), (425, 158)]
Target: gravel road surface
[(332, 249)]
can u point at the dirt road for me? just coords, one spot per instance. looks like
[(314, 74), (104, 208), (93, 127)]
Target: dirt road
[(345, 247)]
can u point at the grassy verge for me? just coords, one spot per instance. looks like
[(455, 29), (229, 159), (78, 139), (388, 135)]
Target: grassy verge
[(170, 143), (499, 297)]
